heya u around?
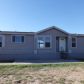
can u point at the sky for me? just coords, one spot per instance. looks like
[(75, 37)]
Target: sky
[(35, 15)]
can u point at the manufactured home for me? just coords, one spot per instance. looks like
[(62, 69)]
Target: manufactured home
[(46, 44)]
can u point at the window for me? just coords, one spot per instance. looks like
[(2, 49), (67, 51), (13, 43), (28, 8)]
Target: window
[(74, 42), (0, 44), (41, 42), (47, 42), (18, 39), (44, 42), (2, 41)]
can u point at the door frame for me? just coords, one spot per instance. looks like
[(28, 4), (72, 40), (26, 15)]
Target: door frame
[(64, 45)]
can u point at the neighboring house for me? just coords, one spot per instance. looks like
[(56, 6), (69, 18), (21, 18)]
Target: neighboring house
[(43, 45)]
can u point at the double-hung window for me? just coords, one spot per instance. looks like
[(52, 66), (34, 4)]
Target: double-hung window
[(47, 42), (18, 39), (74, 44), (0, 41), (41, 42), (44, 42)]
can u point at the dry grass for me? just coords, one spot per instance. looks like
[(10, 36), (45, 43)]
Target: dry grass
[(67, 73)]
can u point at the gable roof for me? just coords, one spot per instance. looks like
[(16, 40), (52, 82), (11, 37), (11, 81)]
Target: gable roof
[(52, 27)]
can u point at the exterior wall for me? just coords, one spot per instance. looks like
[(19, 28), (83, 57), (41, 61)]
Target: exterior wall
[(77, 52), (11, 47), (50, 53), (18, 51)]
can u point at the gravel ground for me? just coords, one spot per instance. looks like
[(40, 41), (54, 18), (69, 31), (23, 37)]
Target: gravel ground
[(43, 75)]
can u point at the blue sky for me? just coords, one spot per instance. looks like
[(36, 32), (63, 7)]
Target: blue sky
[(34, 15)]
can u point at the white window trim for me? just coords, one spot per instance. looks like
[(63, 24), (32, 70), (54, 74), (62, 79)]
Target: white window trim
[(15, 41), (76, 42), (3, 40), (44, 36)]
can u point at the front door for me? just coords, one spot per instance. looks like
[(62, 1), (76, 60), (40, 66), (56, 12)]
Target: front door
[(62, 44)]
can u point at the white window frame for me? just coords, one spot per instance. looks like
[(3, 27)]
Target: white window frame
[(15, 41), (44, 36), (72, 42)]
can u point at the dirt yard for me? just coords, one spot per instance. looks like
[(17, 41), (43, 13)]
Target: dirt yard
[(67, 73)]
